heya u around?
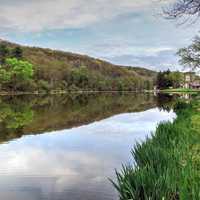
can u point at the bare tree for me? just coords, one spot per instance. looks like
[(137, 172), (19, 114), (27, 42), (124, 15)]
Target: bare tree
[(183, 9), (186, 10)]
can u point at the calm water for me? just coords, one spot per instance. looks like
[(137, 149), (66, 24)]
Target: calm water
[(66, 147)]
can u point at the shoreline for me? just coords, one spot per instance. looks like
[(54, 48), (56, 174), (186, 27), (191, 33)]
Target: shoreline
[(179, 90), (18, 93), (166, 91)]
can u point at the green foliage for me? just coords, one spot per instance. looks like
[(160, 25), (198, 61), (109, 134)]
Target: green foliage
[(19, 119), (177, 78), (56, 71), (169, 79), (16, 74), (19, 70), (4, 53), (43, 85), (163, 81), (15, 117), (23, 114), (5, 76), (180, 105), (17, 52), (167, 165)]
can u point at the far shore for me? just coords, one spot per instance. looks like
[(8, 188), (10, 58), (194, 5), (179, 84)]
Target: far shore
[(180, 90), (54, 92), (18, 93)]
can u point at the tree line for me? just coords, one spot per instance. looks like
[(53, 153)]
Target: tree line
[(82, 78), (168, 79), (17, 74)]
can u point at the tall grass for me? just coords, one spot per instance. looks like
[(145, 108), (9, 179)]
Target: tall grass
[(165, 168)]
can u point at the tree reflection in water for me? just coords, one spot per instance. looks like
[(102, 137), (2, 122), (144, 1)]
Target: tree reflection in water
[(23, 115)]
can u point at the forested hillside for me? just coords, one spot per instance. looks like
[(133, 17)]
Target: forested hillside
[(58, 70)]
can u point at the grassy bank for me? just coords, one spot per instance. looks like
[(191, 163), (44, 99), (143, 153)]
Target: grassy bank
[(167, 166), (180, 90)]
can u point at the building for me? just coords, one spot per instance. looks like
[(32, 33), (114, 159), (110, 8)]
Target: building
[(195, 85), (191, 81)]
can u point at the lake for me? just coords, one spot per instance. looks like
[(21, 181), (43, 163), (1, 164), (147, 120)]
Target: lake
[(65, 147)]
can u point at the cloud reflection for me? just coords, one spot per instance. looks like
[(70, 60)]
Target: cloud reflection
[(73, 163)]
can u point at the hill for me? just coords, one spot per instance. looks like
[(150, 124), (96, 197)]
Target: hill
[(58, 70)]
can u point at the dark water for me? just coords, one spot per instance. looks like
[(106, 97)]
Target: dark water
[(66, 147)]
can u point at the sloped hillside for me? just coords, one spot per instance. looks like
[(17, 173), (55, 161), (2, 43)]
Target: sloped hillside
[(58, 70)]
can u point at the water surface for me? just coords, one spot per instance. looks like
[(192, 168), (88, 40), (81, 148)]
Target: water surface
[(66, 147)]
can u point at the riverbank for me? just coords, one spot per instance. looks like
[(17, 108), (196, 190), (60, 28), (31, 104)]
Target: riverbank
[(180, 90), (18, 93), (167, 166)]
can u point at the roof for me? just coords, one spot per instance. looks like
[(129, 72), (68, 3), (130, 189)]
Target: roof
[(195, 84)]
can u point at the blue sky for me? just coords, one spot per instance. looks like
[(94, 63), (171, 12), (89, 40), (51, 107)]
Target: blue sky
[(128, 32)]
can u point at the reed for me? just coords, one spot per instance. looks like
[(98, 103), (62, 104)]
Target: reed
[(167, 165)]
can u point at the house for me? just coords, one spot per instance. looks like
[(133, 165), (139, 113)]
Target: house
[(191, 81), (195, 85), (188, 79)]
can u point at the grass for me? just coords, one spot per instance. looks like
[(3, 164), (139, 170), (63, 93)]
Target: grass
[(167, 166), (180, 90)]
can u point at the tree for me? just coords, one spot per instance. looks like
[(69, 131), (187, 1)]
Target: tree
[(80, 77), (160, 80), (16, 74), (190, 56), (4, 52), (15, 116), (168, 79), (183, 8), (176, 78), (163, 80), (5, 77), (20, 70), (17, 53)]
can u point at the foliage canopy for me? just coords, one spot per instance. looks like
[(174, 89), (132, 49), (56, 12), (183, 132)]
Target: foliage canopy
[(190, 56), (57, 70)]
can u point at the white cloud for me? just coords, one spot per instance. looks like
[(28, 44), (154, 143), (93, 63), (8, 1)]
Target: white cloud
[(160, 59), (36, 16), (118, 48)]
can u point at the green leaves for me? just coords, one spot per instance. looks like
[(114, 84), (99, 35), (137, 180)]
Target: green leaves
[(16, 74), (4, 53), (21, 70), (168, 79), (5, 76), (17, 52)]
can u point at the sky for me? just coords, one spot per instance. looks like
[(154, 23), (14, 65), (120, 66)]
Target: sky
[(124, 32)]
